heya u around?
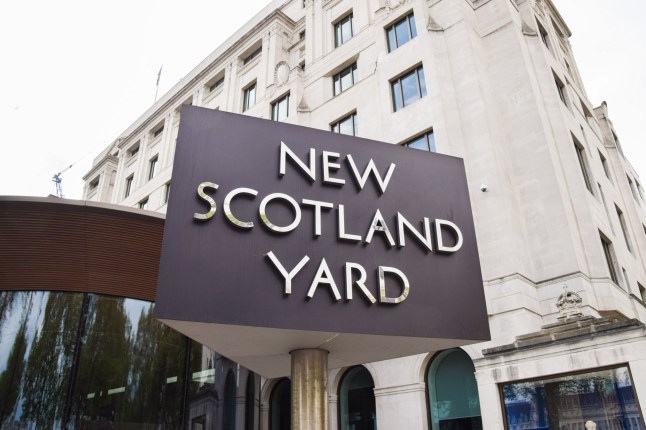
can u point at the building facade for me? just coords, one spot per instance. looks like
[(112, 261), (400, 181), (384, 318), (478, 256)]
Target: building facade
[(559, 211)]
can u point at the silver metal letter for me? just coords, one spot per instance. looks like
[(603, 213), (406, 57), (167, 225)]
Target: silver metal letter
[(309, 171), (323, 276), (288, 276), (425, 240), (361, 179), (202, 195), (227, 207), (382, 285), (378, 224), (327, 165), (317, 213), (342, 234), (265, 220), (438, 236), (361, 282)]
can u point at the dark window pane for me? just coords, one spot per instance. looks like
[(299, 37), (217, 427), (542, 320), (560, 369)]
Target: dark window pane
[(397, 97), (357, 400), (280, 406)]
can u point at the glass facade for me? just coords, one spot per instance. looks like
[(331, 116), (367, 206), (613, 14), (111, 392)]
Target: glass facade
[(453, 392), (603, 397), (84, 361), (357, 400)]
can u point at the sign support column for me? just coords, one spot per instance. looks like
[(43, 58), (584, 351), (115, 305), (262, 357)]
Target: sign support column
[(309, 389)]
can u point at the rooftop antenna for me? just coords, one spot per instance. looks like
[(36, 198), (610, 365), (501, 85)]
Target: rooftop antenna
[(58, 180)]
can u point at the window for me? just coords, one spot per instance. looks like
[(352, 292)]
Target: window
[(129, 181), (152, 167), (626, 281), (357, 409), (143, 204), (249, 58), (604, 163), (408, 88), (583, 164), (401, 32), (249, 402), (424, 142), (560, 87), (544, 36), (608, 252), (343, 31), (166, 192), (280, 404), (280, 108), (217, 84), (249, 97), (346, 125), (229, 402), (639, 189), (453, 404), (301, 35), (95, 183), (344, 79), (642, 292), (158, 132), (604, 396), (624, 229), (134, 150), (632, 188)]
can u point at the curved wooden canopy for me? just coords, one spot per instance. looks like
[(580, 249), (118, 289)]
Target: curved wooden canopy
[(53, 244)]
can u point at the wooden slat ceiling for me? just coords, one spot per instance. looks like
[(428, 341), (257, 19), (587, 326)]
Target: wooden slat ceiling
[(65, 245)]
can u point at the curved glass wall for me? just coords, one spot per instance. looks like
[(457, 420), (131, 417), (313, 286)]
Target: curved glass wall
[(357, 400), (84, 361), (453, 392), (280, 406)]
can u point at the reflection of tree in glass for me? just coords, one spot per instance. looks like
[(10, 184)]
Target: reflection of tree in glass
[(158, 355), (50, 359), (11, 377), (7, 301), (104, 363)]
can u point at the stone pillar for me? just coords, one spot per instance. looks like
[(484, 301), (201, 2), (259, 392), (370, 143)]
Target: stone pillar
[(309, 389)]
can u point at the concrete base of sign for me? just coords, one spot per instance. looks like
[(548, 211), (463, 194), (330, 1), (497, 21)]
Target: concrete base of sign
[(309, 389), (266, 350)]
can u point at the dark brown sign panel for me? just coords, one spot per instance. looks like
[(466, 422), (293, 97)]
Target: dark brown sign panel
[(280, 237)]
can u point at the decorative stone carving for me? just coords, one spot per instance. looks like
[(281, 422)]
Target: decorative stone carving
[(281, 73), (394, 4), (432, 25), (569, 304), (539, 7)]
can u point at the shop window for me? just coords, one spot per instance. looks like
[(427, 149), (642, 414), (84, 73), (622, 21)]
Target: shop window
[(401, 32), (229, 413), (357, 409), (280, 406), (453, 392), (408, 88), (280, 108), (343, 30), (346, 125), (423, 142), (603, 397)]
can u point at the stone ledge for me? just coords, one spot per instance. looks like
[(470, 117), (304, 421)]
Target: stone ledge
[(569, 329)]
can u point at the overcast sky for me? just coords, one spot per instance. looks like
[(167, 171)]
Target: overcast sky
[(77, 73)]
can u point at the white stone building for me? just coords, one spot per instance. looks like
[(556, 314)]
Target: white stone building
[(555, 201)]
